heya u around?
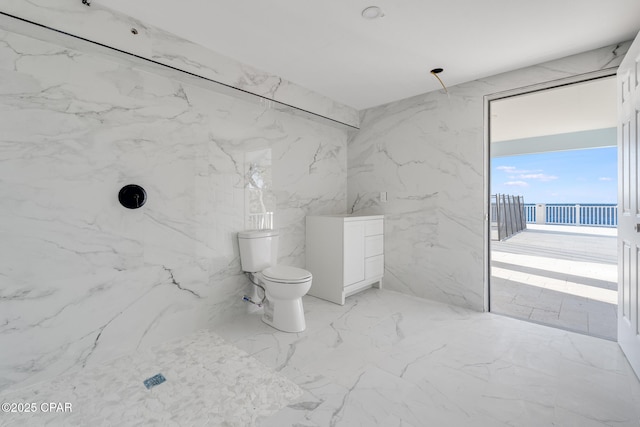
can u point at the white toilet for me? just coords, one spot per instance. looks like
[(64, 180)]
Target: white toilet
[(284, 286)]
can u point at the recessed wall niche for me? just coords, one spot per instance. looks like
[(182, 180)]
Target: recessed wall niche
[(260, 200)]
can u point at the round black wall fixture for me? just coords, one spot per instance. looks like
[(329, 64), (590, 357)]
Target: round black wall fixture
[(132, 196)]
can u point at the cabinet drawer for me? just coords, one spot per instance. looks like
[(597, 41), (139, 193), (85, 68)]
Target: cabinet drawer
[(373, 245), (374, 267), (371, 228)]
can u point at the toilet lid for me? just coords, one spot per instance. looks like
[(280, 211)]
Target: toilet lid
[(285, 274)]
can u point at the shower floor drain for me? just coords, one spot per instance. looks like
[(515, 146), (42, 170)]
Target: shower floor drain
[(154, 381)]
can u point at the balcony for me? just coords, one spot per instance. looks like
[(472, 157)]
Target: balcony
[(560, 275)]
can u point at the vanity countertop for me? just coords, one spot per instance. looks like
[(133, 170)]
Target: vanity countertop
[(350, 217)]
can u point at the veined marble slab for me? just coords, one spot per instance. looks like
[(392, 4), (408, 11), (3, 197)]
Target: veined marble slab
[(111, 28), (390, 359), (208, 383)]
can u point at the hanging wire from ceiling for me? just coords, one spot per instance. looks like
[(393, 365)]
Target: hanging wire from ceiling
[(435, 73)]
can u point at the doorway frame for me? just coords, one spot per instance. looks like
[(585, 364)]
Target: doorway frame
[(538, 87)]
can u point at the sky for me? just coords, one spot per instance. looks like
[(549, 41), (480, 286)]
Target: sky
[(576, 176)]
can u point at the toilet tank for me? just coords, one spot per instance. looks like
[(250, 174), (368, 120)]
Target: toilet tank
[(258, 249)]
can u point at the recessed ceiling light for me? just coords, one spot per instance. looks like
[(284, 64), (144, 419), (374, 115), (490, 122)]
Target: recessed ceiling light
[(372, 12)]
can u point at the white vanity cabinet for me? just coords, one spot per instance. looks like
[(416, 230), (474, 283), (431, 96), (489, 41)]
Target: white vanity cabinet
[(345, 254)]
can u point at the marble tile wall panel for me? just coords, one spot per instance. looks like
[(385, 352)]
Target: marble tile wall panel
[(111, 28), (428, 153), (82, 279)]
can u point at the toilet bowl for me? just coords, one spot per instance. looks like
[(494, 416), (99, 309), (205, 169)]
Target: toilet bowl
[(284, 286)]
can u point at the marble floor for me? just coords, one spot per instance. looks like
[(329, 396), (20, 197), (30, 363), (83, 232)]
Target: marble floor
[(563, 276), (208, 382), (382, 359), (388, 359)]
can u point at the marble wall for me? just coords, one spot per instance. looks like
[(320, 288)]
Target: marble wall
[(428, 154), (82, 279), (100, 24)]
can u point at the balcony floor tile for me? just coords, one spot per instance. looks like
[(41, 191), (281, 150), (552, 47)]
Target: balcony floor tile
[(561, 276)]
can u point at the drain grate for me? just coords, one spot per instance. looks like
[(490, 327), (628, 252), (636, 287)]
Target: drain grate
[(154, 381)]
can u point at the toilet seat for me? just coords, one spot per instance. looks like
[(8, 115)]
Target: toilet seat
[(286, 274)]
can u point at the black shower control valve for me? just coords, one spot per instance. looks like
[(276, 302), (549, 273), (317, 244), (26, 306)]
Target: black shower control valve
[(132, 196)]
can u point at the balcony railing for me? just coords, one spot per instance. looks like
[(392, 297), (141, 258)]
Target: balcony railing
[(509, 214), (590, 214)]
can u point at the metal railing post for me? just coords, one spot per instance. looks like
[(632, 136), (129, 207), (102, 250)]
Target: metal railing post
[(541, 213)]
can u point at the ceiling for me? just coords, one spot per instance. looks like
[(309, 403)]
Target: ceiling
[(574, 108), (328, 47)]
